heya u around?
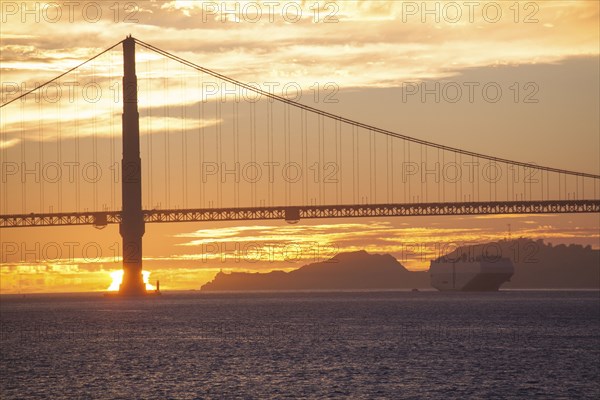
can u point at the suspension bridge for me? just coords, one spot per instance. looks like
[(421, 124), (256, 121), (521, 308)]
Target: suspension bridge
[(198, 146)]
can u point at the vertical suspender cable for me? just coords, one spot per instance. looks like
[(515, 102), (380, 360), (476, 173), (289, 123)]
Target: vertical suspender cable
[(462, 195), (253, 149), (340, 169), (507, 181), (455, 178), (559, 187), (112, 135), (472, 177), (387, 167), (184, 169), (542, 185), (149, 138), (373, 199), (408, 176), (270, 147), (355, 165), (438, 169), (236, 151), (304, 150), (286, 150), (371, 173), (77, 182), (95, 144), (320, 163), (423, 184), (201, 144), (23, 181), (443, 176), (41, 150), (3, 139), (219, 131), (59, 155), (166, 137)]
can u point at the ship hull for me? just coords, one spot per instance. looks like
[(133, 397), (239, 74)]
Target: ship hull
[(486, 282), (470, 276)]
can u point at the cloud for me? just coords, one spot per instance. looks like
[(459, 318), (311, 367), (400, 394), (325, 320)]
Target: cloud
[(382, 40), (511, 216), (4, 144)]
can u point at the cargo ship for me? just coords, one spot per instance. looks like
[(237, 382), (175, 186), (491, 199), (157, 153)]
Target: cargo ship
[(478, 275)]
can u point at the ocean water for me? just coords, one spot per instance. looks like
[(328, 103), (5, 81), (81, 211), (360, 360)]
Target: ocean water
[(359, 345)]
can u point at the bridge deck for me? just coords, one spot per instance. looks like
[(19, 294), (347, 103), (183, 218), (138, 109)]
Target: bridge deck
[(293, 214)]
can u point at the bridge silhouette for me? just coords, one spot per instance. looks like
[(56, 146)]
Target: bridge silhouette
[(343, 180)]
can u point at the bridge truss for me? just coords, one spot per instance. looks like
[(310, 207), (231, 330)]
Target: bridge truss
[(294, 214)]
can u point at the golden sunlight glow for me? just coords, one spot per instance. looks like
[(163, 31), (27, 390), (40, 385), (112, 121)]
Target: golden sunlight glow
[(117, 278)]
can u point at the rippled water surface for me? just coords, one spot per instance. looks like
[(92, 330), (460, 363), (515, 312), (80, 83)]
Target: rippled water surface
[(511, 344)]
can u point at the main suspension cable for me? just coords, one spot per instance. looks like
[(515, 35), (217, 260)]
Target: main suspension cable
[(60, 76), (356, 123)]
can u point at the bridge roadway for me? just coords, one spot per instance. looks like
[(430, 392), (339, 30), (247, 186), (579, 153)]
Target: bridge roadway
[(295, 213)]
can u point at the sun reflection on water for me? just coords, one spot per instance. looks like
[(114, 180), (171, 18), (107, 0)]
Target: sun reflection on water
[(117, 278)]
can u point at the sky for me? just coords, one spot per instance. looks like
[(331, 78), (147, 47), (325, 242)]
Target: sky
[(516, 80)]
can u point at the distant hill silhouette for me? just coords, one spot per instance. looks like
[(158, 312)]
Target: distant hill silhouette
[(354, 270), (540, 265), (537, 266)]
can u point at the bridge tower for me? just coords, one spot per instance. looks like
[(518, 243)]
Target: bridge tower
[(132, 225)]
